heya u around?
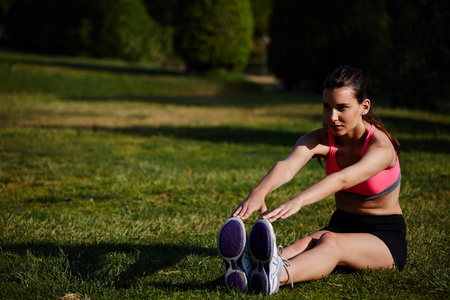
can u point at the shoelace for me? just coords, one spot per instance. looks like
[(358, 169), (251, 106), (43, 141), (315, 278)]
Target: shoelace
[(286, 264)]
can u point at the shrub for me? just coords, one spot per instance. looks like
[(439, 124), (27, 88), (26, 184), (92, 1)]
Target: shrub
[(102, 28), (120, 29), (215, 34)]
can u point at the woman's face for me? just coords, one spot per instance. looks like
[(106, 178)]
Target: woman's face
[(341, 110)]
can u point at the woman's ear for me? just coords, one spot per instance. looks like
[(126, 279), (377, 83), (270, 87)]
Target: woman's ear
[(365, 107)]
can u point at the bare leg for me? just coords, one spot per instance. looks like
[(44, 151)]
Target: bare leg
[(357, 251), (301, 245)]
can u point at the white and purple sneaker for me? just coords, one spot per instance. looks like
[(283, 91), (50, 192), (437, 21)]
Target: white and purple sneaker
[(268, 263), (232, 246)]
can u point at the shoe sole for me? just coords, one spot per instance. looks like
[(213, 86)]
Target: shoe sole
[(231, 245), (261, 239)]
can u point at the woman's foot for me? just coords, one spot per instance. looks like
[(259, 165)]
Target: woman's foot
[(232, 247), (268, 263)]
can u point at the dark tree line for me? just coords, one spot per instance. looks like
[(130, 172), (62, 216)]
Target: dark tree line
[(401, 44), (203, 34)]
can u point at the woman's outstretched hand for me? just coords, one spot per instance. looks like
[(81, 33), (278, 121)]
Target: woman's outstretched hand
[(249, 206), (283, 211)]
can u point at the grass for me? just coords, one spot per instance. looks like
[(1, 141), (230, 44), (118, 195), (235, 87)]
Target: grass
[(115, 179)]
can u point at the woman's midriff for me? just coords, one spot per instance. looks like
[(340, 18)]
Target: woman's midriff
[(385, 205)]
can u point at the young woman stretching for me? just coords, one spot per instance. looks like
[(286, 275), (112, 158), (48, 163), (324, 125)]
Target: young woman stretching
[(367, 230)]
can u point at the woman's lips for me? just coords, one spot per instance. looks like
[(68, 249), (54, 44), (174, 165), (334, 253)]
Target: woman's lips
[(336, 127)]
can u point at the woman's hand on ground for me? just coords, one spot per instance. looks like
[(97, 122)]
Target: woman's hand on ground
[(283, 211), (249, 206)]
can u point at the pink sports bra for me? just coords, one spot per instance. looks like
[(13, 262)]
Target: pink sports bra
[(379, 185)]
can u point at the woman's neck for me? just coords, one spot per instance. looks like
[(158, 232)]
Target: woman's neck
[(357, 137)]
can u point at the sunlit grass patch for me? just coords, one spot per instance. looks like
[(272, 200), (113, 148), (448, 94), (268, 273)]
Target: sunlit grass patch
[(117, 190)]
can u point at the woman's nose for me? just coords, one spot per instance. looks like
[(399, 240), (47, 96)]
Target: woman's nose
[(334, 115)]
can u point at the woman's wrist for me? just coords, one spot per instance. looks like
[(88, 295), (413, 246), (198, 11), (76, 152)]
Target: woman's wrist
[(298, 199), (257, 193)]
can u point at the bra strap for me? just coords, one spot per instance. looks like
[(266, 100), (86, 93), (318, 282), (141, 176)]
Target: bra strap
[(369, 135), (331, 144)]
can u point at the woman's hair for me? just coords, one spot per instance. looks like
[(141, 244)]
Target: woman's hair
[(354, 78)]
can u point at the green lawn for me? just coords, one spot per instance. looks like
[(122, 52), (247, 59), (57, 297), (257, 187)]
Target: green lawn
[(116, 178)]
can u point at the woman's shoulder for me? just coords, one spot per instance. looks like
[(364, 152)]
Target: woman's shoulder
[(380, 139), (316, 141), (381, 143), (319, 136)]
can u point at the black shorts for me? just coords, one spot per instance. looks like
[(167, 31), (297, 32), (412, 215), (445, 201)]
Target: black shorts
[(390, 229)]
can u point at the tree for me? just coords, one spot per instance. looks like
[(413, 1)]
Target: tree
[(421, 57), (401, 44), (102, 28), (310, 38), (120, 29), (215, 34), (4, 7), (167, 14), (40, 25), (261, 10)]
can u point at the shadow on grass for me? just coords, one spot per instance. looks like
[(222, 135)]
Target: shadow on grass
[(276, 137), (244, 135), (215, 134), (410, 125), (244, 101), (91, 65), (218, 134), (105, 262), (236, 83), (402, 125), (240, 94)]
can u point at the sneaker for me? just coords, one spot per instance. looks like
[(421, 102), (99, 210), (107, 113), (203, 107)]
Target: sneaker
[(268, 263), (232, 246)]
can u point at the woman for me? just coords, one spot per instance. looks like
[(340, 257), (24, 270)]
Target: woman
[(367, 230)]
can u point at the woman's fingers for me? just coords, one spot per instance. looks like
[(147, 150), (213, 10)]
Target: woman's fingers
[(239, 211), (242, 211), (246, 208), (274, 214), (236, 211), (262, 210), (280, 212)]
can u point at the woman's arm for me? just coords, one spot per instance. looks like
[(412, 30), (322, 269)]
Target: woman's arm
[(377, 157), (307, 147)]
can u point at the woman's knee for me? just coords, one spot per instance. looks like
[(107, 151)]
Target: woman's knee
[(330, 239), (304, 243)]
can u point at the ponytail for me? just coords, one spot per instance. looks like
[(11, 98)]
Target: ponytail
[(371, 118)]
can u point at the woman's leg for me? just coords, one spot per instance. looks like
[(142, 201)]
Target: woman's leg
[(357, 251), (301, 245)]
